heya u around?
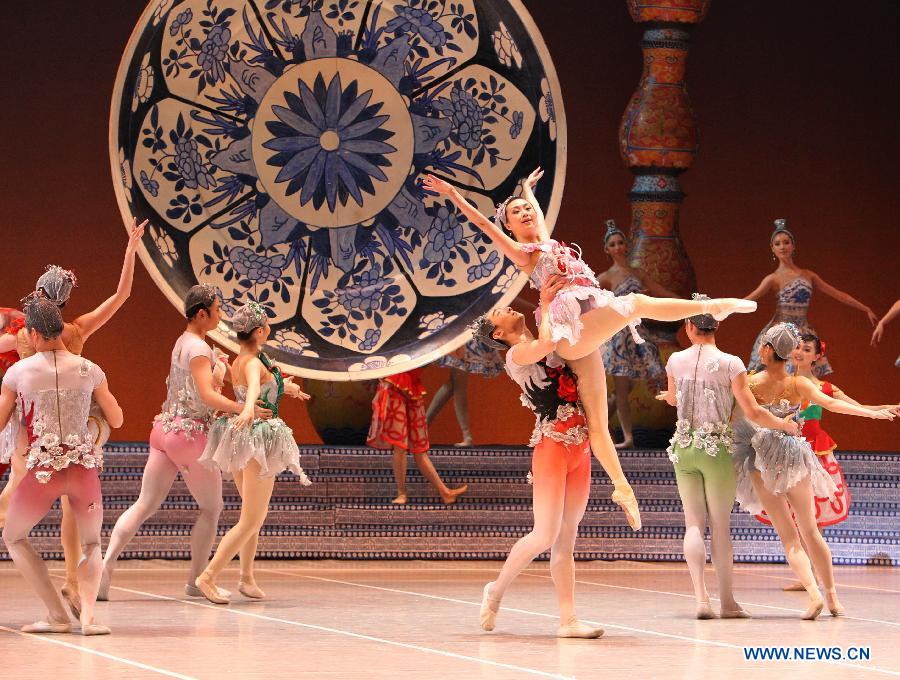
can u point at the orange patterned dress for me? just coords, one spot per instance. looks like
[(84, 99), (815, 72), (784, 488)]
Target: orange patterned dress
[(398, 413)]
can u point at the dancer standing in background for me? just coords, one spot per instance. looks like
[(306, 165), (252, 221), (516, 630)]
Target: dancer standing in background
[(179, 436), (892, 314), (54, 388), (793, 288), (399, 424), (624, 359), (56, 284), (584, 315), (251, 449)]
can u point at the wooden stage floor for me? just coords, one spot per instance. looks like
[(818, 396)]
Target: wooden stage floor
[(416, 619)]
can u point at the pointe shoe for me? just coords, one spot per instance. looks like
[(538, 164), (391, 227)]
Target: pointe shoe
[(625, 499), (103, 592), (72, 598), (489, 608), (251, 590), (211, 592), (815, 608), (94, 629), (795, 587), (44, 627), (834, 606), (401, 499), (705, 612), (577, 629), (450, 499), (723, 307), (739, 613)]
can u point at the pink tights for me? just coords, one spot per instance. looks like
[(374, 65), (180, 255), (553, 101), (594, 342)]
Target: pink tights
[(171, 453), (29, 504), (562, 483)]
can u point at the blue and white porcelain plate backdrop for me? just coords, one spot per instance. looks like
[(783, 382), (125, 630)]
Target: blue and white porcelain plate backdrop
[(277, 147)]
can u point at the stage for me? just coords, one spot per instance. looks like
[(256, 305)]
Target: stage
[(379, 619)]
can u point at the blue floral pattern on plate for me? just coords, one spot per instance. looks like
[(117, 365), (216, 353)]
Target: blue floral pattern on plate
[(278, 147)]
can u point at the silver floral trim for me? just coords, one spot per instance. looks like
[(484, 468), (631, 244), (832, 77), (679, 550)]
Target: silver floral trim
[(709, 437), (547, 428), (172, 422), (47, 451)]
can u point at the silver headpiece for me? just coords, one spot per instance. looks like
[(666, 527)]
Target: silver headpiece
[(482, 328), (705, 322), (248, 317), (43, 315), (784, 338), (612, 230), (500, 216), (203, 294), (781, 228), (57, 283)]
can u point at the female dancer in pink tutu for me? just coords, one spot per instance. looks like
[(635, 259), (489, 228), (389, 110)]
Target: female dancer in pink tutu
[(583, 315)]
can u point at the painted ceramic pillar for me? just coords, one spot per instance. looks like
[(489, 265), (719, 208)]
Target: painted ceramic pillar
[(658, 141)]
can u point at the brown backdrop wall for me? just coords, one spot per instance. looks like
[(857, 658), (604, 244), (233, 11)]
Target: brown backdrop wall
[(797, 107)]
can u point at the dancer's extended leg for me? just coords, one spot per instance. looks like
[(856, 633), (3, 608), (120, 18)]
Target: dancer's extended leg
[(693, 500), (247, 582), (256, 493), (779, 513), (592, 392), (29, 504), (159, 474), (426, 467), (71, 545)]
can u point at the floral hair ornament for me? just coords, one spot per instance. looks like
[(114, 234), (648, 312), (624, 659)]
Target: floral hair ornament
[(500, 216), (784, 338), (42, 314), (57, 283), (705, 322), (248, 317), (781, 228), (203, 294), (483, 328), (612, 230)]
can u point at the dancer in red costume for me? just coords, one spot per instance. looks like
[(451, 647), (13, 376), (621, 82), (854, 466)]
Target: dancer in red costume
[(11, 322), (399, 423)]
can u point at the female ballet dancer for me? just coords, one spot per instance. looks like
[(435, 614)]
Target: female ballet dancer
[(780, 474), (54, 389), (793, 289), (584, 315), (399, 424), (179, 436), (251, 449), (560, 462), (623, 358), (11, 322), (57, 284), (704, 383), (473, 357)]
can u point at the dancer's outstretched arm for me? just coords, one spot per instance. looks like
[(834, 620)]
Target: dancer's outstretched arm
[(764, 286), (740, 388), (892, 314), (91, 322), (843, 396), (810, 392), (841, 296), (512, 249), (528, 194), (112, 412)]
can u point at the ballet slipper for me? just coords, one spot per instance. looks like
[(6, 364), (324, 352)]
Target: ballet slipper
[(44, 627), (623, 496), (739, 613), (705, 612), (816, 606), (251, 590), (401, 499), (834, 606), (210, 591), (94, 629), (72, 598), (721, 308), (193, 591), (577, 629), (103, 591), (795, 587), (453, 494), (489, 608)]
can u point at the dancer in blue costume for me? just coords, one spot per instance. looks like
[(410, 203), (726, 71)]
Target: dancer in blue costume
[(793, 288)]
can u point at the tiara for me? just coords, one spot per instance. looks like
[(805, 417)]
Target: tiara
[(611, 230), (250, 316), (482, 328)]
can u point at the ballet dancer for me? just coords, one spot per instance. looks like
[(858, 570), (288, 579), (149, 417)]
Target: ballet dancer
[(178, 438), (703, 384), (623, 358), (780, 474), (892, 314), (793, 288), (251, 449), (584, 315), (56, 284), (54, 389), (399, 424), (560, 463)]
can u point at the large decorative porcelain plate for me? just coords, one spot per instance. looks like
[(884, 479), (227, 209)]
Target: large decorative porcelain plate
[(277, 148)]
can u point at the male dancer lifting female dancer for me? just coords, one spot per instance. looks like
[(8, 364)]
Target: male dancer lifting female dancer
[(54, 389), (583, 316), (56, 284), (179, 436), (704, 382), (560, 463)]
